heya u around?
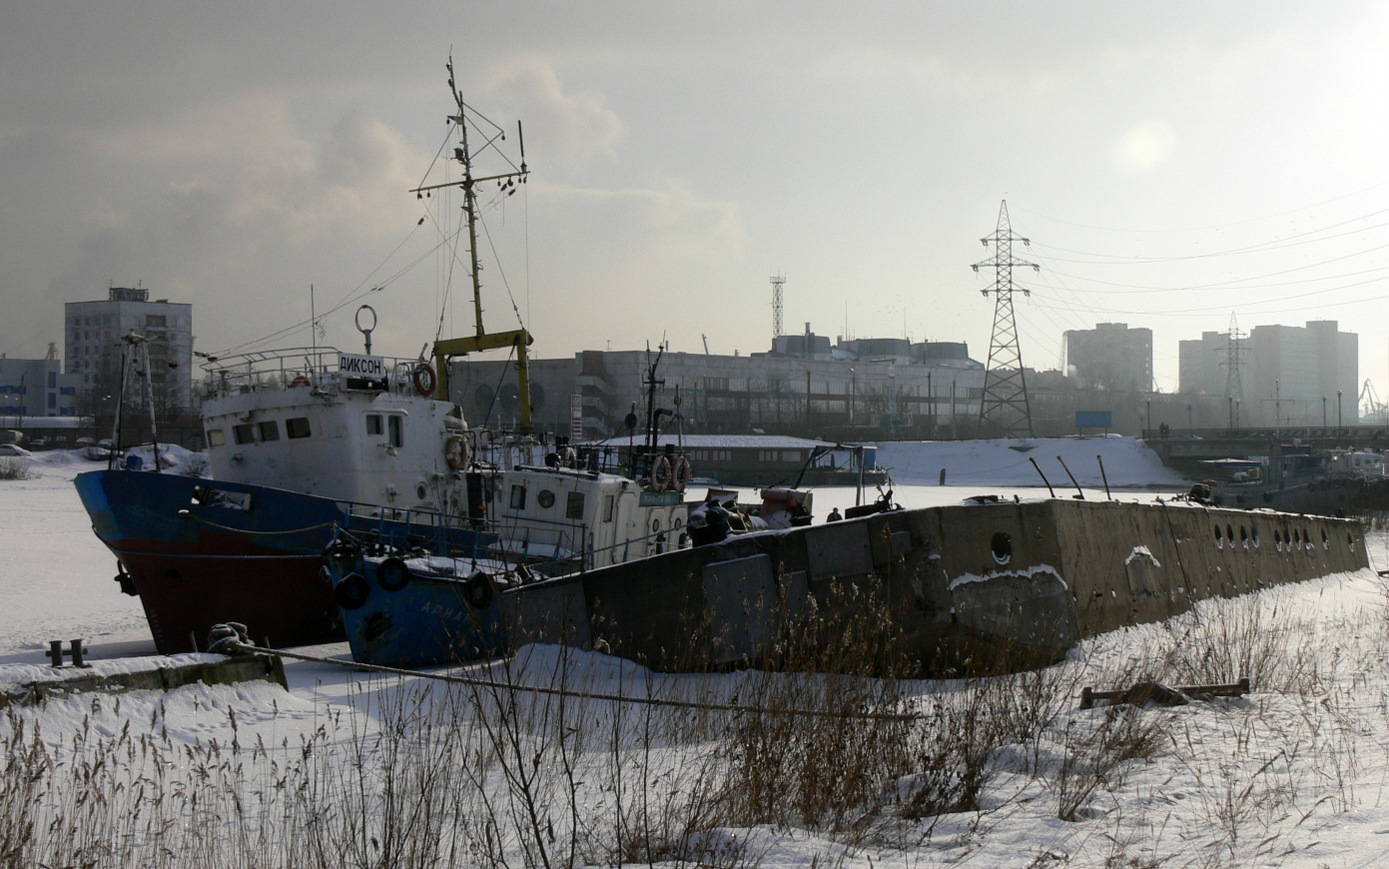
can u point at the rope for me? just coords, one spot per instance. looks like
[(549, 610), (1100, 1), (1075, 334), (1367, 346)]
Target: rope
[(250, 533), (583, 695)]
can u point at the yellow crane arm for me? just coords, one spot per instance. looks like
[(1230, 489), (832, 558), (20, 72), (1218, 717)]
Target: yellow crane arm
[(517, 338)]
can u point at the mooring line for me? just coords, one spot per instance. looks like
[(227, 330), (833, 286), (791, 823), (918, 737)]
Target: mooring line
[(254, 533), (583, 695)]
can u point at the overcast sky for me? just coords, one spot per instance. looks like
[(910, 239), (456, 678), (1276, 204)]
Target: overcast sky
[(1172, 163)]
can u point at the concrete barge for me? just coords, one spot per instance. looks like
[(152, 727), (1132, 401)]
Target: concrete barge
[(984, 586)]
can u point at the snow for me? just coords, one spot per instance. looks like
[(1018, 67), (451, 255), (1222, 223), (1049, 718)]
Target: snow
[(1124, 462), (1294, 774)]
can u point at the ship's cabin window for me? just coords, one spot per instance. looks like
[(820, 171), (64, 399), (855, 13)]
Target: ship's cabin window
[(216, 437), (575, 508), (518, 497), (396, 426), (374, 424), (608, 503), (297, 427), (245, 433), (546, 498), (269, 430)]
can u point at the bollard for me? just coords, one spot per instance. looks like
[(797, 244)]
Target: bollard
[(55, 653)]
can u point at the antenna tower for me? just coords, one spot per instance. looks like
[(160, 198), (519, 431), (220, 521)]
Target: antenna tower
[(1234, 386), (778, 281), (1005, 406)]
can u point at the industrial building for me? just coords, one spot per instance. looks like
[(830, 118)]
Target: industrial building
[(876, 388)]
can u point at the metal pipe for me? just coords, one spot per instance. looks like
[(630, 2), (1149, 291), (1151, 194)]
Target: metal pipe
[(1079, 493), (1043, 476)]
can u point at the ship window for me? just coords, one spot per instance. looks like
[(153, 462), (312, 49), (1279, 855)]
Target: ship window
[(374, 426), (575, 508), (297, 427), (244, 433), (216, 437), (546, 498), (608, 502), (397, 430), (269, 430), (518, 497)]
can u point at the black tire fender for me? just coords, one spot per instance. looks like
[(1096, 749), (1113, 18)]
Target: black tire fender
[(479, 591), (352, 592), (392, 574)]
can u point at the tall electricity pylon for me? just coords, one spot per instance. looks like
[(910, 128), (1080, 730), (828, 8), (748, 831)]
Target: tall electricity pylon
[(1004, 407), (1234, 386)]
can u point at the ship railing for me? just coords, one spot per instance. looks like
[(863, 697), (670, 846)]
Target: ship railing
[(266, 370), (404, 529), (547, 547), (569, 546)]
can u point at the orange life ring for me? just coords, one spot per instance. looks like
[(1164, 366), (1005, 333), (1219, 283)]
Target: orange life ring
[(423, 378), (683, 474), (301, 380), (660, 474)]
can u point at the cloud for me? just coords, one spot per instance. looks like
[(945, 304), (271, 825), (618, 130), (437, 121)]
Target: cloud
[(1143, 147), (579, 126)]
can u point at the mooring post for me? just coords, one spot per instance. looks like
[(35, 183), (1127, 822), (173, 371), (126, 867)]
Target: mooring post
[(55, 652)]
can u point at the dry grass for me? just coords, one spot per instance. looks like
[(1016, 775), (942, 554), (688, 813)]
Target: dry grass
[(14, 468), (415, 774)]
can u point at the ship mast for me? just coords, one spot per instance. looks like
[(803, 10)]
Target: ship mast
[(518, 339)]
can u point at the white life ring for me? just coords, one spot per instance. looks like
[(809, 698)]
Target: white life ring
[(660, 474), (456, 452), (683, 474)]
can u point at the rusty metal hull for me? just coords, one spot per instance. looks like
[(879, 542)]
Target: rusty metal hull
[(941, 590)]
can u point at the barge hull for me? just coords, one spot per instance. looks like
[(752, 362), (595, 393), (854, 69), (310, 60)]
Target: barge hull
[(933, 591)]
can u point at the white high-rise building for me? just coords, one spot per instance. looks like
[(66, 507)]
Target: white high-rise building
[(1286, 375), (93, 339)]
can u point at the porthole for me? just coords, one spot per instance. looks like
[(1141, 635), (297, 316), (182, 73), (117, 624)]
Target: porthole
[(421, 491), (1230, 535), (1350, 541), (1002, 547), (1254, 535), (1244, 536), (1216, 529), (546, 498), (1325, 541), (1277, 540)]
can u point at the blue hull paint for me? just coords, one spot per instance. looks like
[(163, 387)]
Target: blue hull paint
[(199, 552), (428, 622)]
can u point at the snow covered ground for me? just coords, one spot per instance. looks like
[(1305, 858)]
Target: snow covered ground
[(353, 769)]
